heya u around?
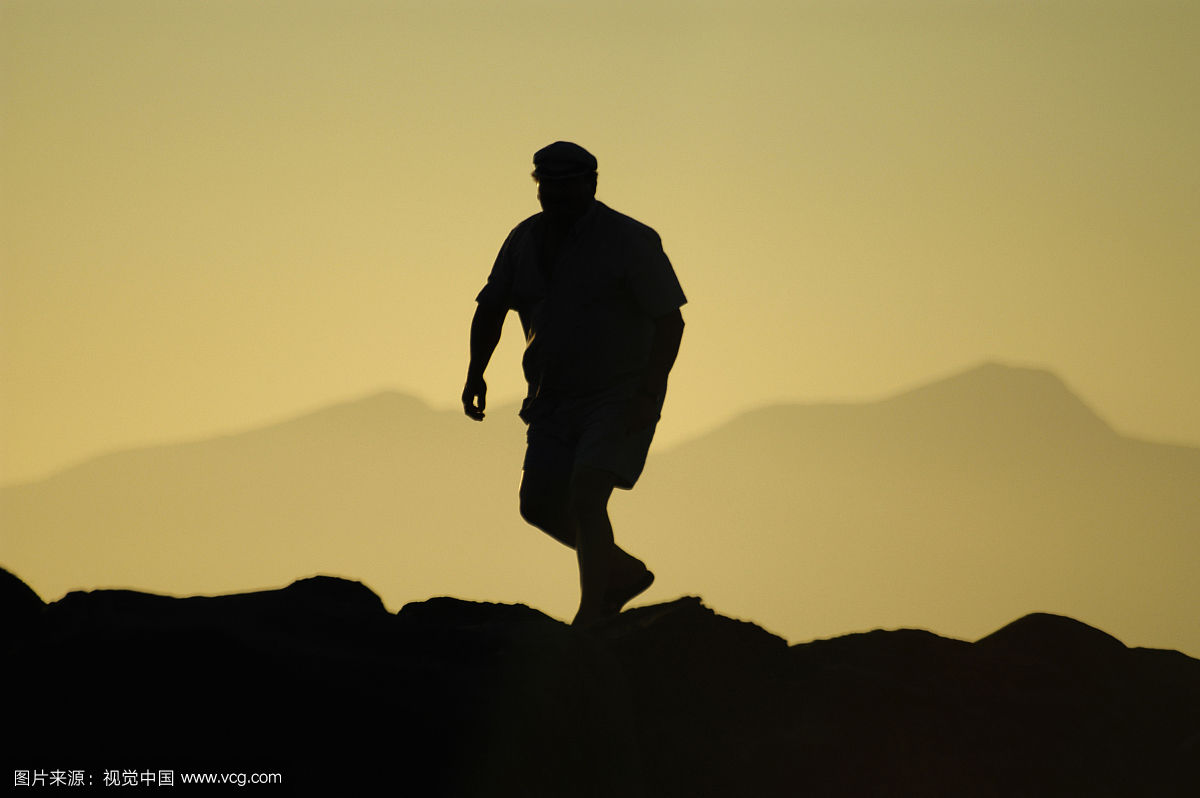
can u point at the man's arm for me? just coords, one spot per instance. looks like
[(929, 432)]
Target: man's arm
[(486, 325), (668, 333)]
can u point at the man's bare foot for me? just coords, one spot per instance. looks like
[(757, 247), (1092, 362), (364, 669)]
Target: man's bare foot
[(616, 597)]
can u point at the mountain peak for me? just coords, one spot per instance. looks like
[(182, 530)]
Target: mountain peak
[(998, 394), (993, 377)]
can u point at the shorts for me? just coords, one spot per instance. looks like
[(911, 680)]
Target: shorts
[(588, 430)]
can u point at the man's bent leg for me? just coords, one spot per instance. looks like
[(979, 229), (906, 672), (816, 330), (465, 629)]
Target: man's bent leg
[(606, 448), (543, 496), (562, 492), (544, 504)]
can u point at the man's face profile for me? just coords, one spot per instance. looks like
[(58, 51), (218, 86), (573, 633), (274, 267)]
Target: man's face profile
[(566, 199)]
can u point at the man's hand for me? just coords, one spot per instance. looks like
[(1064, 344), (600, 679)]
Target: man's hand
[(485, 334), (474, 397), (644, 406)]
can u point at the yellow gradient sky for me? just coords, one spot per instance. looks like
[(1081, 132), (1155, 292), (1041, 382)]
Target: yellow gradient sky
[(218, 213)]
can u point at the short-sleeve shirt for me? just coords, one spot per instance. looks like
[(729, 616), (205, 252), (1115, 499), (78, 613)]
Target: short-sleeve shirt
[(589, 316)]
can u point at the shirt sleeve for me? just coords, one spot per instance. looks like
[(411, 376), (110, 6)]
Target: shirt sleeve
[(498, 290), (652, 279)]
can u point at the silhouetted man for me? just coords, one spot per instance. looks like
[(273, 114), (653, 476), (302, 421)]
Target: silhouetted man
[(599, 304)]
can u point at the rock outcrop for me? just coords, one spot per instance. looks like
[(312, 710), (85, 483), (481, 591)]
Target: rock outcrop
[(319, 682)]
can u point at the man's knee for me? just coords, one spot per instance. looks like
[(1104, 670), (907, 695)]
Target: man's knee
[(541, 505), (534, 510)]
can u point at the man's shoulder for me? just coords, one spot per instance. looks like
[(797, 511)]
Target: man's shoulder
[(525, 225), (622, 224), (521, 237)]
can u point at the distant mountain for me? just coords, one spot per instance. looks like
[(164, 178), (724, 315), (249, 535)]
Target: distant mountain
[(321, 685), (953, 507), (384, 487), (987, 495)]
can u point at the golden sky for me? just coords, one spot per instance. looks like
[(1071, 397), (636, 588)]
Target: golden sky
[(217, 213)]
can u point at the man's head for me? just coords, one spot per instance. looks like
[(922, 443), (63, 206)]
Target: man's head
[(566, 178)]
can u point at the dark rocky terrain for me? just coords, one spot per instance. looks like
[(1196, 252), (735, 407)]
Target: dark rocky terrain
[(318, 681)]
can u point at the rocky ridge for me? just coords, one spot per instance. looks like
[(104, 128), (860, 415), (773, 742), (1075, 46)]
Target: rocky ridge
[(318, 681)]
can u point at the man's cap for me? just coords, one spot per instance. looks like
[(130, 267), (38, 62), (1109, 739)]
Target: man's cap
[(561, 160)]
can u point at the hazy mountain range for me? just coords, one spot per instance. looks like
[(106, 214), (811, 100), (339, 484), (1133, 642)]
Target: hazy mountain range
[(954, 507)]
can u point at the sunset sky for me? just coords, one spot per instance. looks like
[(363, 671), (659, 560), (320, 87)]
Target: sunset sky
[(220, 213)]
